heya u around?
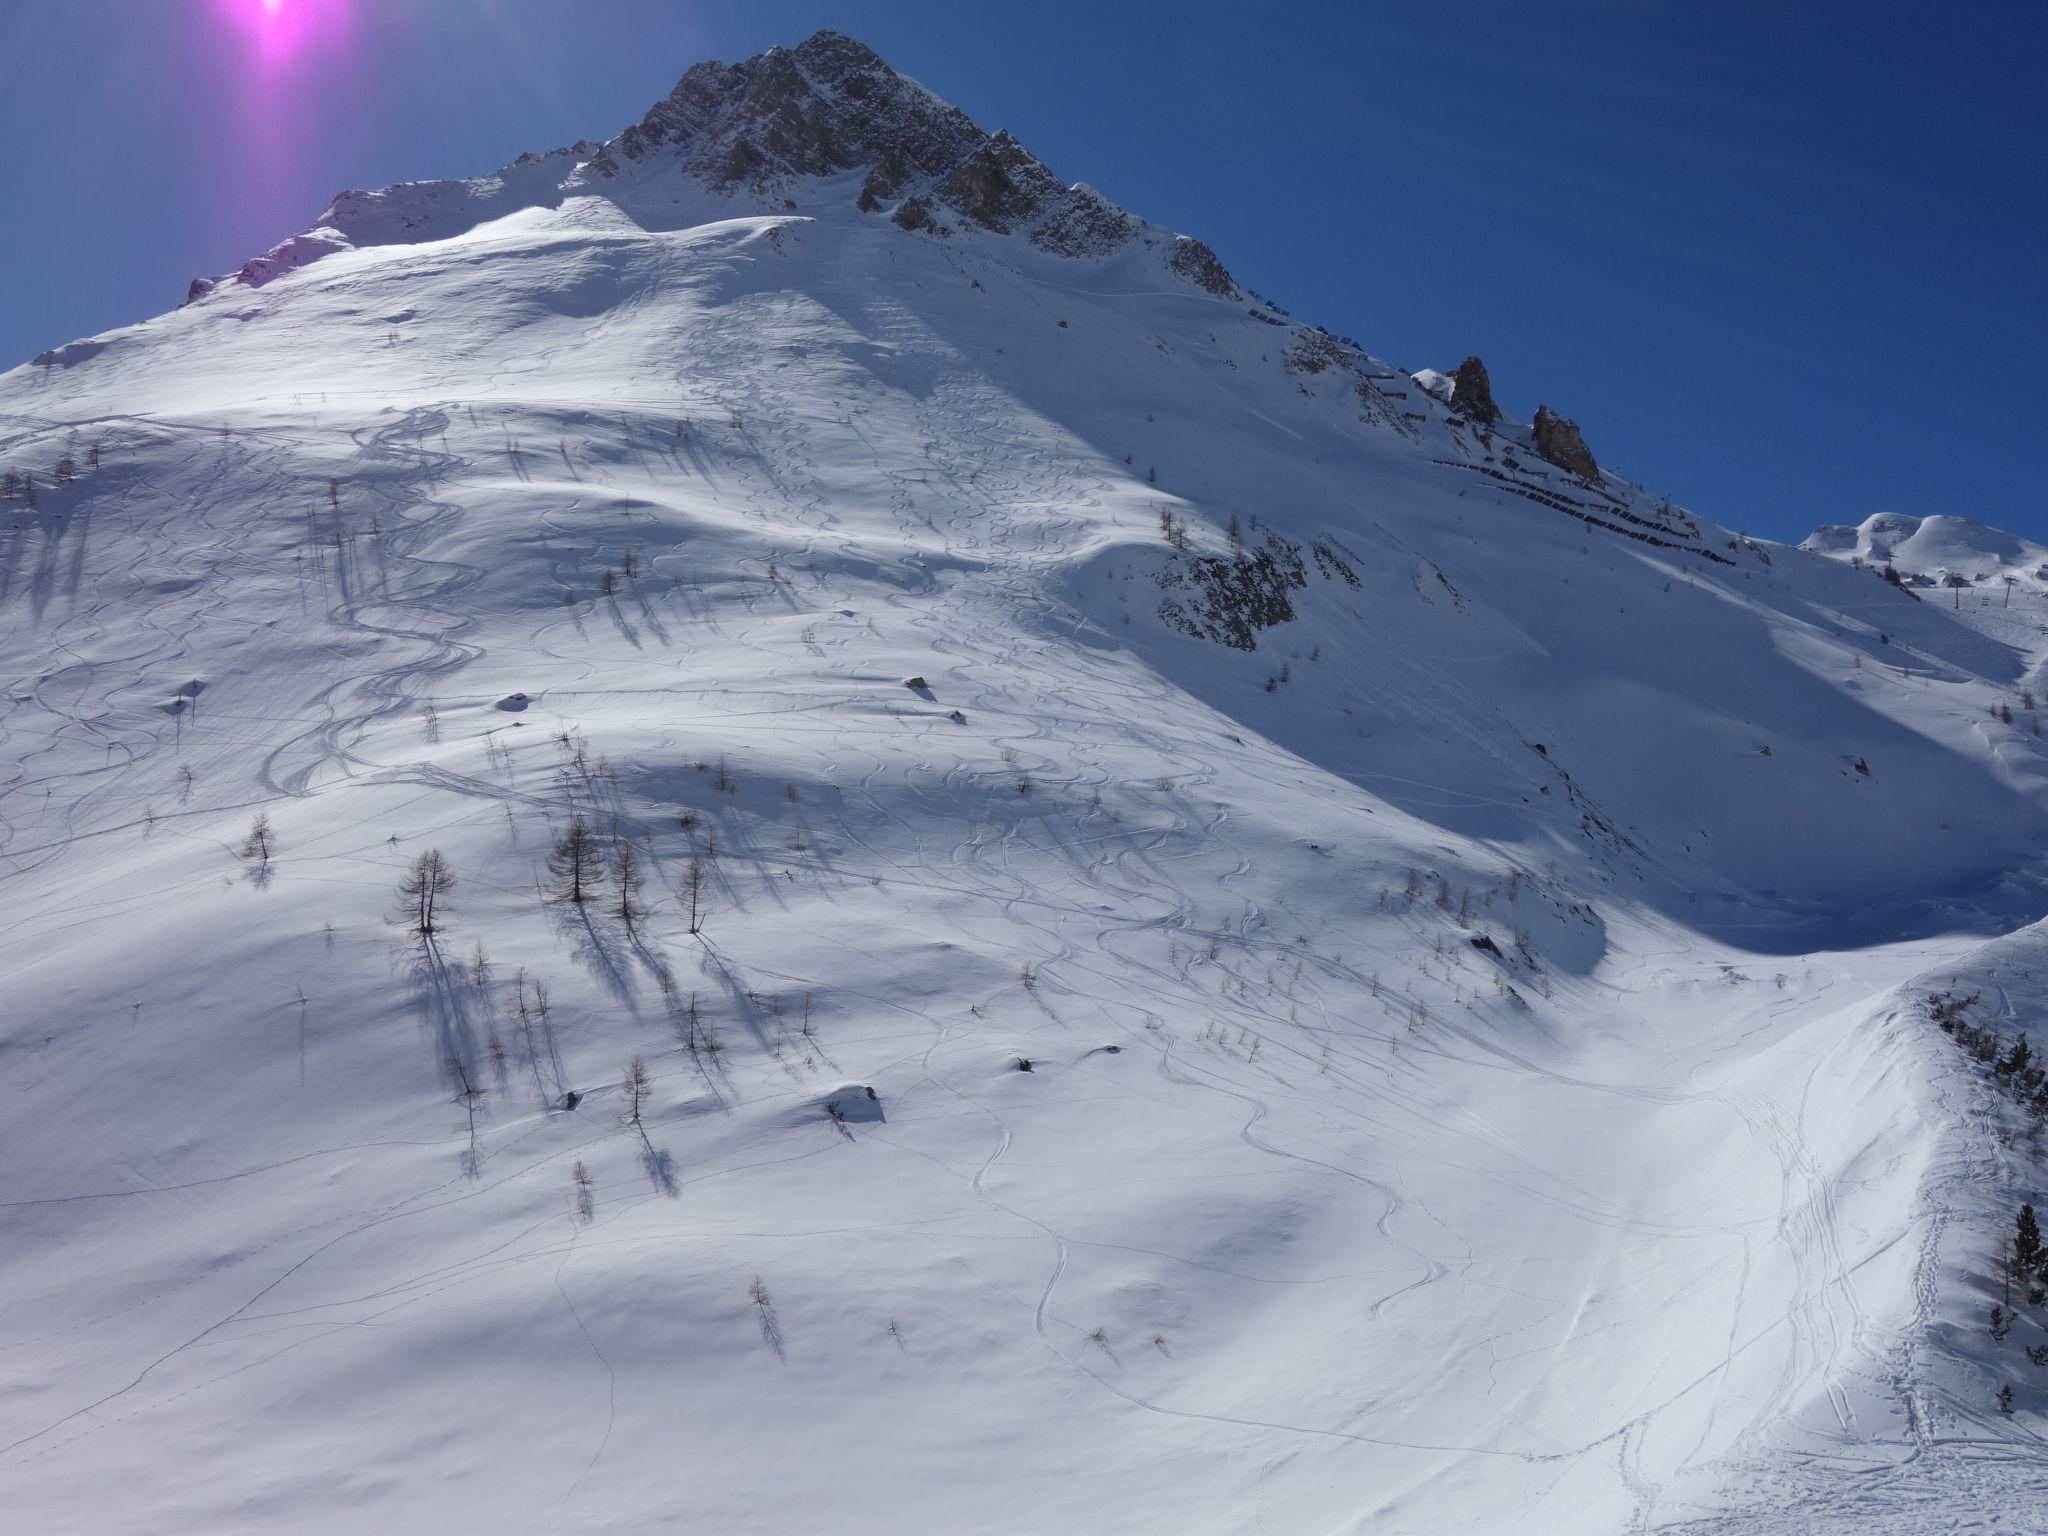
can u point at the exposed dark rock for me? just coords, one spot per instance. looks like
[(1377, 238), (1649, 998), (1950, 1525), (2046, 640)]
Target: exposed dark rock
[(1083, 223), (1001, 185), (1472, 393), (916, 214), (1230, 601), (825, 106), (823, 109), (1312, 352), (1332, 563), (742, 162), (1558, 442), (885, 180), (1193, 260), (880, 112)]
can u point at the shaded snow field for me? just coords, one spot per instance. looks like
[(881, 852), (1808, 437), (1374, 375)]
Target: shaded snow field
[(1311, 1216)]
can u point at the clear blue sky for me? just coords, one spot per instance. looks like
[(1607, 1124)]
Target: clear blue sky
[(1784, 262)]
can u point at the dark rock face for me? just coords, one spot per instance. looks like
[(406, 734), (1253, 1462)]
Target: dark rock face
[(1083, 223), (880, 113), (742, 162), (830, 105), (1001, 185), (816, 112), (1230, 601), (884, 181), (1313, 352), (916, 214), (1558, 441), (1472, 392), (1193, 260), (826, 106)]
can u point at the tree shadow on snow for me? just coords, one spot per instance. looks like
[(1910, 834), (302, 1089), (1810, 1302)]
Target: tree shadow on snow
[(442, 999)]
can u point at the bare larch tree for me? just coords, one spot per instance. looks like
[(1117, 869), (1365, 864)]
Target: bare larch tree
[(420, 895), (577, 862)]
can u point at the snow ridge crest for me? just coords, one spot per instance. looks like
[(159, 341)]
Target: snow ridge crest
[(786, 121)]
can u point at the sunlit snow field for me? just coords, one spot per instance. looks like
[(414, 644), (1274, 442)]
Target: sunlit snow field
[(1669, 1211)]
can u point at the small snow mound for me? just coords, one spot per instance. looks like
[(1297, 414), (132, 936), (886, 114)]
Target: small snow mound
[(1435, 383), (850, 1102)]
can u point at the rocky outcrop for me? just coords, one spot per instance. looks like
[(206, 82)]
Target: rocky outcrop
[(916, 215), (1193, 260), (1230, 601), (1313, 352), (1000, 186), (758, 129), (1083, 223), (1472, 393), (830, 105), (1558, 442), (742, 162), (826, 106), (884, 181)]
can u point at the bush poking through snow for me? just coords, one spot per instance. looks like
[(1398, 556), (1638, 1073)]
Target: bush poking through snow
[(585, 1193), (261, 843), (636, 1086), (764, 1307)]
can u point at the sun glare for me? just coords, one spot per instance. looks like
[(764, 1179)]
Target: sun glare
[(282, 30)]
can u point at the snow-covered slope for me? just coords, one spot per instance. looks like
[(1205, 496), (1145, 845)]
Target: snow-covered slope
[(1464, 919), (1935, 548)]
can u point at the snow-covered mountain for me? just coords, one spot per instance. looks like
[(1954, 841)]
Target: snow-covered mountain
[(1930, 551), (1219, 937)]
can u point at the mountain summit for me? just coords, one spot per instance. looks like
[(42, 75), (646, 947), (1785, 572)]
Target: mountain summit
[(825, 122), (828, 106), (778, 826)]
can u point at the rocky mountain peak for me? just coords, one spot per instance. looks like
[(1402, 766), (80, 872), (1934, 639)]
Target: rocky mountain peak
[(1559, 442), (1193, 260), (837, 59), (826, 106), (831, 106), (1472, 391), (773, 128)]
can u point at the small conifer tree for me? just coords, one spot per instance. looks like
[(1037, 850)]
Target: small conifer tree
[(261, 842), (2027, 1252)]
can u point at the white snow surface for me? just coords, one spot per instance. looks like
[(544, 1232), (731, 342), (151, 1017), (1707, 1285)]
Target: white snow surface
[(1310, 1216), (1935, 547)]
